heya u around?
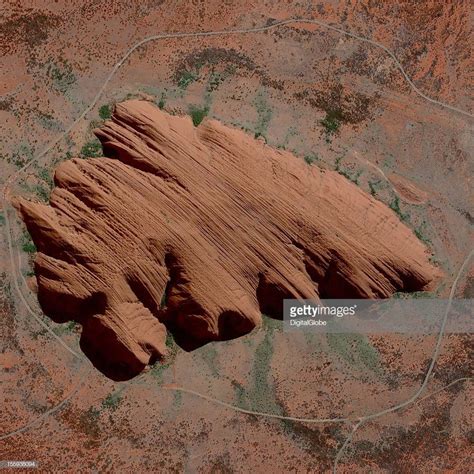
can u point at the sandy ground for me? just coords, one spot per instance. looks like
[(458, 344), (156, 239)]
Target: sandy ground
[(408, 152)]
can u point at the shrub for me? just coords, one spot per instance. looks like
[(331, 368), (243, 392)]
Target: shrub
[(311, 158), (331, 122), (66, 328), (92, 149), (112, 401), (264, 115), (395, 206), (162, 102), (186, 78), (61, 75), (42, 192), (105, 112), (27, 244), (420, 233), (351, 177), (198, 114), (373, 187), (45, 175)]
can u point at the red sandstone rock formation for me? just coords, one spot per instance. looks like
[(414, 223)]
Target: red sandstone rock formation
[(220, 224)]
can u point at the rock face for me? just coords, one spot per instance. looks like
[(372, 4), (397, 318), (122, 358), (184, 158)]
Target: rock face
[(199, 230)]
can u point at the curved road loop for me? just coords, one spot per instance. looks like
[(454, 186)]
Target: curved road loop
[(52, 144)]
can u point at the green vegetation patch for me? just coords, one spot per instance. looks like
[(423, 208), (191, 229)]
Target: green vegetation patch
[(112, 401), (162, 102), (42, 192), (209, 354), (414, 294), (105, 112), (264, 114), (89, 422), (48, 122), (240, 394), (420, 232), (395, 206), (311, 158), (217, 78), (356, 350), (177, 400), (45, 175), (92, 149), (66, 328), (374, 187), (27, 244), (350, 175), (23, 155), (185, 78), (342, 106), (261, 395), (354, 177), (198, 113), (61, 75), (158, 369), (331, 122)]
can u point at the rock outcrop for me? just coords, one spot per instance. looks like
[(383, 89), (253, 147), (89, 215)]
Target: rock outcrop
[(198, 231)]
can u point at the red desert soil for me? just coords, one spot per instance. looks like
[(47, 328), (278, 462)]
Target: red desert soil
[(407, 190), (217, 223)]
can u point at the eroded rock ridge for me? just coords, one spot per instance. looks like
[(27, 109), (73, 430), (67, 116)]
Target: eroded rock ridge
[(198, 231)]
